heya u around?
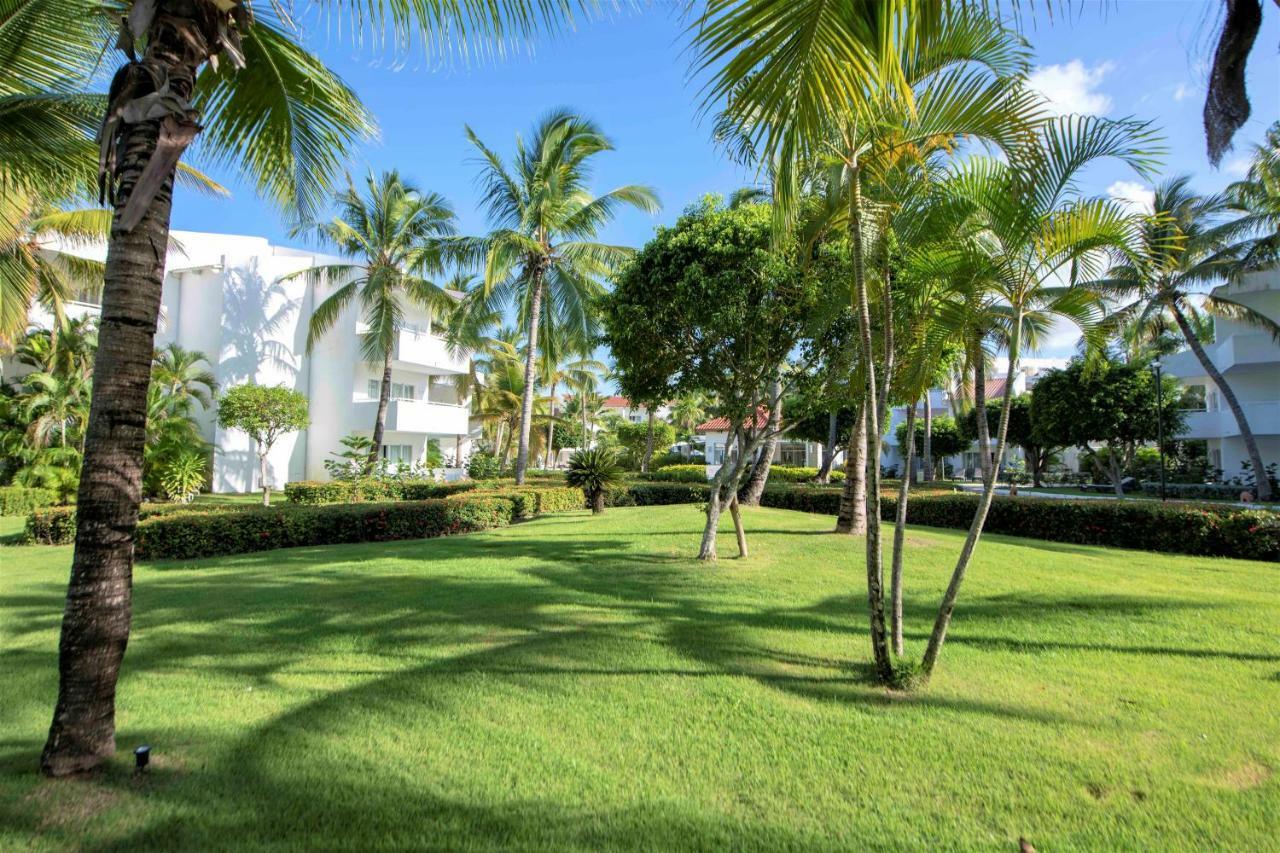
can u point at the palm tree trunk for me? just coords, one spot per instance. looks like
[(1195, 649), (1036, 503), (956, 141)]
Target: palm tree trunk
[(380, 419), (852, 518), (980, 413), (586, 441), (96, 621), (1263, 484), (943, 621), (551, 429), (829, 449), (530, 376), (648, 444), (899, 534), (751, 492), (874, 406), (928, 439)]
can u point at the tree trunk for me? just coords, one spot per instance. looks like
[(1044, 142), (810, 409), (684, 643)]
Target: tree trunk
[(899, 535), (829, 449), (738, 530), (874, 410), (530, 376), (707, 549), (852, 518), (980, 413), (1114, 472), (751, 492), (648, 445), (262, 479), (380, 420), (597, 502), (928, 439), (95, 623), (943, 620), (586, 439), (1262, 483), (551, 430)]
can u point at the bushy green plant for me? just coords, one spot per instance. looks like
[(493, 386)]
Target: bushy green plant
[(593, 471), (19, 500), (183, 476), (350, 462), (483, 465), (683, 473)]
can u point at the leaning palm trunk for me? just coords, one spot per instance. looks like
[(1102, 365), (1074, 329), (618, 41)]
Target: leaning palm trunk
[(1263, 483), (874, 407), (96, 621), (551, 430), (751, 492), (943, 621), (899, 534), (928, 439), (852, 518), (980, 416), (380, 420), (530, 374)]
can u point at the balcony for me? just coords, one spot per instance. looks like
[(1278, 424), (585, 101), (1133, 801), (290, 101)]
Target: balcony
[(1244, 350), (420, 416), (1263, 418), (417, 350)]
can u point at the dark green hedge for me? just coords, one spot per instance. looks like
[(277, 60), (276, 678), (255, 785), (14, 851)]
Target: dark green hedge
[(1192, 491), (370, 490), (19, 500)]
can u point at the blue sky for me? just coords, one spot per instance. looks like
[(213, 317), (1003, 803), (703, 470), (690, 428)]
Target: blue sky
[(1144, 58)]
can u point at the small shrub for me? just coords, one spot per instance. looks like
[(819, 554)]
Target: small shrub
[(19, 500), (594, 471), (483, 465), (53, 526), (183, 476), (679, 474)]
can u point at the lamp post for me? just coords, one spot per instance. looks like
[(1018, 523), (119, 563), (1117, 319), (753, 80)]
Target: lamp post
[(1156, 366)]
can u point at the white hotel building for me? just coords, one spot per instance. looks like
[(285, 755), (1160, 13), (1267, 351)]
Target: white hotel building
[(232, 298)]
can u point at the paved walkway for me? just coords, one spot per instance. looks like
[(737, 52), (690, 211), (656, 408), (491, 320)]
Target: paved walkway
[(976, 488)]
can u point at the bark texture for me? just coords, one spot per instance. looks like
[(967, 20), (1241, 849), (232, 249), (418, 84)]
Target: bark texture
[(751, 492), (852, 518), (380, 419), (530, 377), (829, 449), (262, 479), (899, 536), (738, 530), (928, 439)]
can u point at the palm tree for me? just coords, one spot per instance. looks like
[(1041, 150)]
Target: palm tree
[(395, 232), (183, 377), (268, 107), (579, 371), (1181, 248), (1257, 200), (1026, 226), (857, 87), (55, 405), (541, 256), (687, 412)]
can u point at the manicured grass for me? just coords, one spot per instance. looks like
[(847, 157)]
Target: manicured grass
[(580, 683)]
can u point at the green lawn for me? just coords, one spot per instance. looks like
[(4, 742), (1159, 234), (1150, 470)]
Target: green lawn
[(580, 683)]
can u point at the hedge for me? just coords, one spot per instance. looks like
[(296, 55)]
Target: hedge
[(19, 500), (370, 490), (1194, 490)]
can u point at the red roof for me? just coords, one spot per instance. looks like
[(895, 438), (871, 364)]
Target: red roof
[(616, 402), (722, 424), (995, 388)]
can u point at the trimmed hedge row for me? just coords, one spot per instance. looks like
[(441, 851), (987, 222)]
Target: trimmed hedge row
[(370, 490), (19, 500), (1193, 490), (1223, 531)]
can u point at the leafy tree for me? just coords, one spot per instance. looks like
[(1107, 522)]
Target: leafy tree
[(264, 413), (635, 439), (712, 305), (1104, 402), (394, 230), (1019, 432), (541, 255), (947, 437)]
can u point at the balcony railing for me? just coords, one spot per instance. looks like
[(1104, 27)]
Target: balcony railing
[(421, 416)]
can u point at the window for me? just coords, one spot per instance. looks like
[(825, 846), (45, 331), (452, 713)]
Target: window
[(398, 454), (1193, 398), (399, 390), (715, 453), (793, 453)]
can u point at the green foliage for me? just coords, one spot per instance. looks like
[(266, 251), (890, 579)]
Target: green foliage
[(263, 412), (947, 440), (633, 439), (682, 473), (593, 470), (483, 465), (184, 476), (18, 500), (369, 490), (350, 462)]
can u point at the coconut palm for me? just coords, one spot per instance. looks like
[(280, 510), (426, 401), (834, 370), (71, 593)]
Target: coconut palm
[(394, 231), (687, 411), (1256, 199), (1028, 228), (235, 75), (1180, 250), (183, 377), (541, 256), (579, 370)]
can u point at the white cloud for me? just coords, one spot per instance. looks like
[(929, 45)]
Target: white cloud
[(1134, 196), (1182, 91), (1237, 167), (1072, 88)]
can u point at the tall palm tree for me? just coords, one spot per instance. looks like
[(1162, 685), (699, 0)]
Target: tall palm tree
[(541, 255), (236, 76), (1256, 199), (857, 86), (183, 377), (579, 370), (1180, 249), (394, 230), (1025, 227)]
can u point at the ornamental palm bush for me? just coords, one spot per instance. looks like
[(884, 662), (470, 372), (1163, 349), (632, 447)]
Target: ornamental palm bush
[(594, 471)]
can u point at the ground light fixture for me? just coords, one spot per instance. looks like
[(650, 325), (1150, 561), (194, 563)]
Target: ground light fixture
[(142, 757), (1157, 366)]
